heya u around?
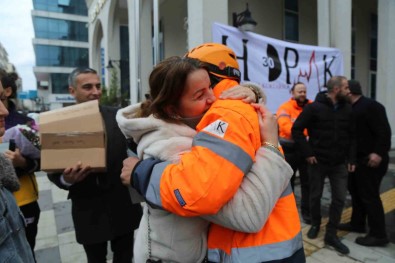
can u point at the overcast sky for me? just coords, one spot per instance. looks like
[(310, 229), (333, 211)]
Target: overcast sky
[(16, 35)]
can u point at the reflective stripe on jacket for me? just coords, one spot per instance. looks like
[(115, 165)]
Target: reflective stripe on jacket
[(279, 239), (287, 113)]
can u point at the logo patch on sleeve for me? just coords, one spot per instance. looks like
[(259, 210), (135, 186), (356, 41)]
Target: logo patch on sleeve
[(179, 197), (217, 128)]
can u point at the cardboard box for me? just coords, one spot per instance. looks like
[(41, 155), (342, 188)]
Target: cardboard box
[(72, 134)]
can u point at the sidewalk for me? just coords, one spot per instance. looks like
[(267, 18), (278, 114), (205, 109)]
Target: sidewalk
[(56, 238), (316, 251)]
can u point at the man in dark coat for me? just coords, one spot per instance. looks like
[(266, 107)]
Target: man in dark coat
[(373, 144), (329, 152), (102, 210)]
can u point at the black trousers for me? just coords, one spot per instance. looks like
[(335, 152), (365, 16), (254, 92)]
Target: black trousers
[(31, 212), (338, 177), (364, 187), (122, 248), (298, 163)]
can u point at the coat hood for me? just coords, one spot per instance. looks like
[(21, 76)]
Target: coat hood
[(150, 133)]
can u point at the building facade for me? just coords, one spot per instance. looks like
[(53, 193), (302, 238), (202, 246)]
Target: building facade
[(4, 63), (135, 34), (60, 45)]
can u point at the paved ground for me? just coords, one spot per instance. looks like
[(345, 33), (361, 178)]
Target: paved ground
[(316, 251), (56, 238)]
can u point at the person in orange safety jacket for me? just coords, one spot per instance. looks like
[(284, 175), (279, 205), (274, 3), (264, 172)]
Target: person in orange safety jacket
[(227, 139), (287, 113)]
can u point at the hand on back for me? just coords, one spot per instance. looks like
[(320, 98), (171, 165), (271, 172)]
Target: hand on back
[(267, 124), (239, 93)]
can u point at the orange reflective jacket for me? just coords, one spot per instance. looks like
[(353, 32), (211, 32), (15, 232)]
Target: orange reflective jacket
[(210, 174), (287, 113)]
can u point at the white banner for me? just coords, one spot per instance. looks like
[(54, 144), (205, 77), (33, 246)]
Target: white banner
[(276, 65)]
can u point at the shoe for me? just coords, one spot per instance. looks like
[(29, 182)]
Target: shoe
[(335, 242), (370, 241), (348, 227), (306, 218), (313, 232)]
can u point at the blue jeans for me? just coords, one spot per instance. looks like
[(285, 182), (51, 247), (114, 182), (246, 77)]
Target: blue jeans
[(338, 177), (13, 244)]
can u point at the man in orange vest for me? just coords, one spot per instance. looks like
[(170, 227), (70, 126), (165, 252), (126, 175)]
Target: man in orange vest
[(228, 137), (287, 113)]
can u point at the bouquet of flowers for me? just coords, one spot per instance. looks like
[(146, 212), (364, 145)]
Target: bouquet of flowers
[(26, 138)]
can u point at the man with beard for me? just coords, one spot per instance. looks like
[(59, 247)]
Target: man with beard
[(286, 116), (373, 144), (330, 152)]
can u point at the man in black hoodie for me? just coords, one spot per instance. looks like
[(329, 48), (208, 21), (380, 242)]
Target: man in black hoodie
[(330, 152), (373, 144)]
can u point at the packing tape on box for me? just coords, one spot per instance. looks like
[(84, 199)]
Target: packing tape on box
[(72, 140)]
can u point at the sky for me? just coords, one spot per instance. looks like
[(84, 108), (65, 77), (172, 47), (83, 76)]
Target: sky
[(16, 35)]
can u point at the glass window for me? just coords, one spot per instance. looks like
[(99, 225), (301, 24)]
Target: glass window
[(353, 33), (291, 27), (373, 36), (373, 85), (50, 28), (75, 7), (291, 20), (373, 65), (60, 83), (124, 62), (373, 25), (291, 5), (373, 55), (373, 48), (61, 56)]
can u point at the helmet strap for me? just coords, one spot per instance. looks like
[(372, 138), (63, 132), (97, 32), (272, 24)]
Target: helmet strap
[(214, 80), (226, 72)]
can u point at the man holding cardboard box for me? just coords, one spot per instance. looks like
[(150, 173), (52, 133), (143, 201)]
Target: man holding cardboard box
[(101, 207)]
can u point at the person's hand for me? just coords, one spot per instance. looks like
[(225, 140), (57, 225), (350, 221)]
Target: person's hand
[(16, 158), (374, 160), (311, 160), (128, 166), (351, 168), (239, 93), (267, 124), (76, 173)]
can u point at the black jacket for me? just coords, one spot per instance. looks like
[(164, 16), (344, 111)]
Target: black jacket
[(331, 130), (101, 204), (373, 129)]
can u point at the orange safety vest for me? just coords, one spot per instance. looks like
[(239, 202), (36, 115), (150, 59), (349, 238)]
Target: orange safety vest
[(209, 175), (287, 113)]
